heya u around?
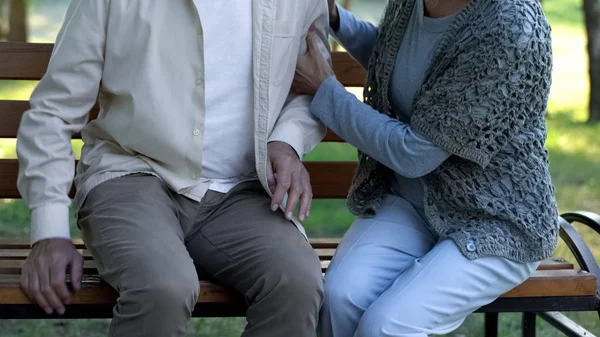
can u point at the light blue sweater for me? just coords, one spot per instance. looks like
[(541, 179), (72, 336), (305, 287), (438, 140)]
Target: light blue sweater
[(390, 141)]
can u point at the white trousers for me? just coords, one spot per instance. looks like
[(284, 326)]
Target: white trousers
[(391, 277)]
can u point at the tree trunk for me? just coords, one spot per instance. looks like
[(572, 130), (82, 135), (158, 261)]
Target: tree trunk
[(3, 21), (18, 21), (591, 10)]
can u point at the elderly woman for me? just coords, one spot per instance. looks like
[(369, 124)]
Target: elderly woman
[(453, 196)]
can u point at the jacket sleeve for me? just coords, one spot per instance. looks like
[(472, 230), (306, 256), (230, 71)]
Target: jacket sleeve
[(296, 125), (60, 107)]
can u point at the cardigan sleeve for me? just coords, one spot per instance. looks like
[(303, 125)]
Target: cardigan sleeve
[(388, 140)]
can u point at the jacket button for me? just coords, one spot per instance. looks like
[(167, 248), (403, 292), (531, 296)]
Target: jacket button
[(471, 246)]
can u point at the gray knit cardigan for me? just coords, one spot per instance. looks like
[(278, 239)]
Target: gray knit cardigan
[(483, 99)]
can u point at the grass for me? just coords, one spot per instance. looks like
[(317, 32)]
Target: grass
[(575, 167)]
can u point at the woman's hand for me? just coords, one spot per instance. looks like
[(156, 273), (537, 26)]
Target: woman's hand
[(312, 68)]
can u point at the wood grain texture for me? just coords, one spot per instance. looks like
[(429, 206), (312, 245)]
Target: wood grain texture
[(21, 254), (330, 180), (24, 61), (29, 61), (11, 265), (556, 283), (561, 283), (96, 292), (9, 244)]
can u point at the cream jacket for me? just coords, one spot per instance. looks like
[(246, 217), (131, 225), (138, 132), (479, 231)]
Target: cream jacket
[(142, 60)]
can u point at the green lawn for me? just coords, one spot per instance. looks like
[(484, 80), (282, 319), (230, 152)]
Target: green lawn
[(575, 168)]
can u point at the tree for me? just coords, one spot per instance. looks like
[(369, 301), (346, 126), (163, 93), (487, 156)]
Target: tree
[(591, 9), (17, 21), (345, 4), (3, 21)]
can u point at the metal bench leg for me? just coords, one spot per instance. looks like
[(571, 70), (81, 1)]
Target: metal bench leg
[(564, 324), (577, 245), (491, 324), (529, 319)]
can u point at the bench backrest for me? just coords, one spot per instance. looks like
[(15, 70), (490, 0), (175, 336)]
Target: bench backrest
[(28, 61)]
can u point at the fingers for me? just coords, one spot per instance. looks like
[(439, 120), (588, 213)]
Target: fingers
[(271, 180), (48, 292), (58, 284), (292, 180), (284, 182), (300, 87), (312, 40), (44, 274), (297, 187), (294, 193), (76, 271), (306, 199), (35, 294)]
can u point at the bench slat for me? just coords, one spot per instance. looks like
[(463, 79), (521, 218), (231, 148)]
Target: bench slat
[(96, 292), (24, 61), (11, 112), (330, 180), (21, 254), (555, 264), (556, 283), (13, 266), (317, 243), (29, 61)]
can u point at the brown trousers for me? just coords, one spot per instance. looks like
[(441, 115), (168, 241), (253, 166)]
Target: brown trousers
[(151, 244)]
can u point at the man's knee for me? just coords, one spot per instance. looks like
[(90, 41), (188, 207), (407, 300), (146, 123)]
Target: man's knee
[(298, 282), (305, 285), (167, 292)]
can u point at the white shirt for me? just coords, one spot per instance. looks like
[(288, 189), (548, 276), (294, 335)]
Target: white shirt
[(229, 121)]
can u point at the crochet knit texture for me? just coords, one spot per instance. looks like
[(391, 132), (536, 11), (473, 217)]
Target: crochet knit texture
[(483, 100)]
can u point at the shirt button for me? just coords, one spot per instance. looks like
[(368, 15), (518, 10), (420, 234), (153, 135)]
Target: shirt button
[(194, 176), (196, 132), (198, 82), (471, 246)]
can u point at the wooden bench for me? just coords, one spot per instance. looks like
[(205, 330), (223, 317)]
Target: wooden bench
[(557, 285)]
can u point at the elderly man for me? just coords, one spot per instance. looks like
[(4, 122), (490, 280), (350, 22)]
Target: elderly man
[(192, 168)]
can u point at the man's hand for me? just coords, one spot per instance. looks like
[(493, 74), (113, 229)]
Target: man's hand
[(287, 174), (44, 274)]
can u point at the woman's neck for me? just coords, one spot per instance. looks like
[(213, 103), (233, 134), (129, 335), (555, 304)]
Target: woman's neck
[(442, 8)]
